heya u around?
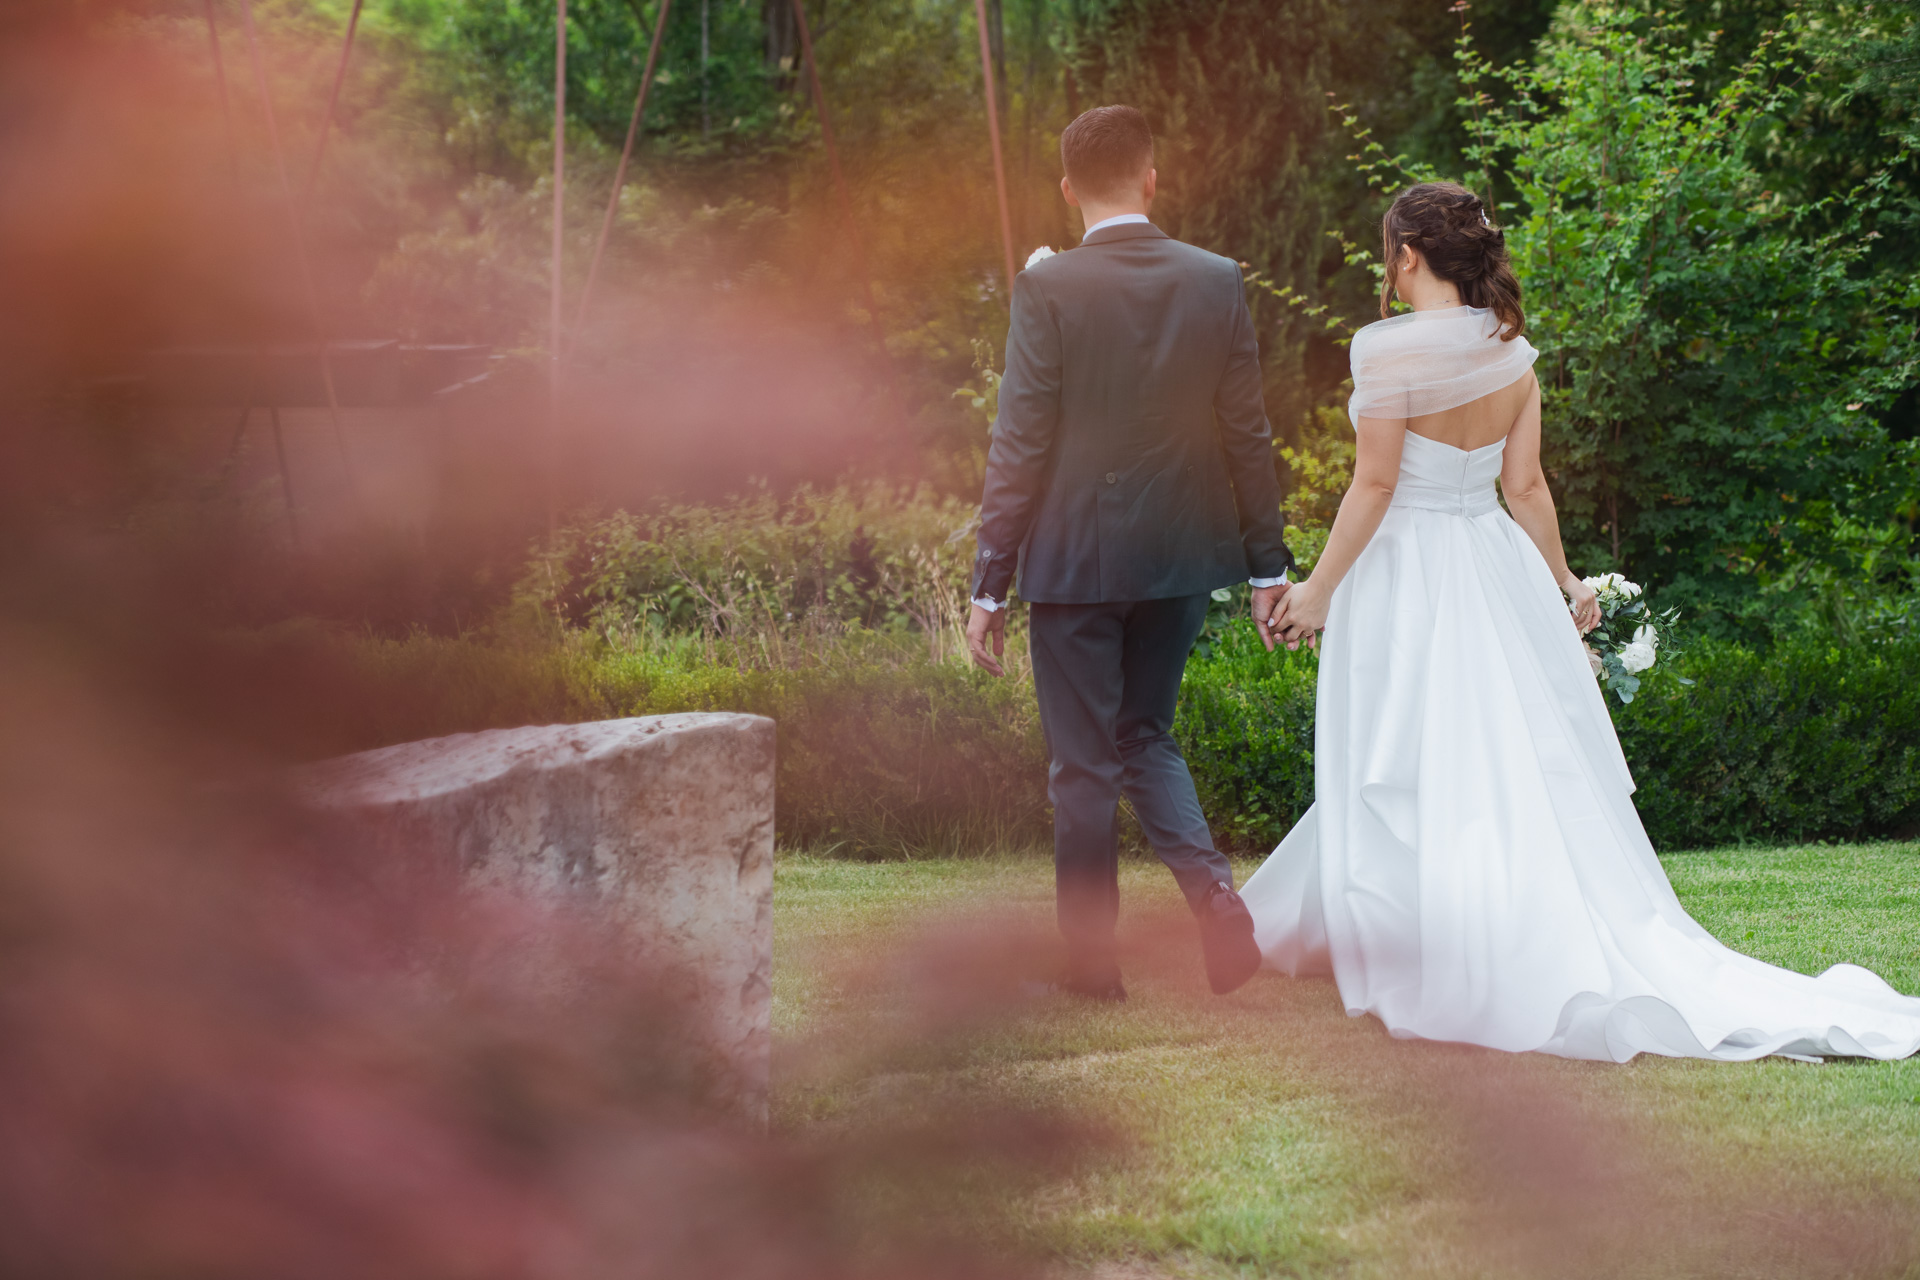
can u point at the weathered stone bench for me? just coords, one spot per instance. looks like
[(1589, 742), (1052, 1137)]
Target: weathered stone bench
[(664, 824)]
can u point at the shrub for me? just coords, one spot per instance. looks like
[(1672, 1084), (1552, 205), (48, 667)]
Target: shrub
[(885, 752), (785, 572), (1245, 724), (1721, 357), (878, 753), (1806, 740), (881, 751)]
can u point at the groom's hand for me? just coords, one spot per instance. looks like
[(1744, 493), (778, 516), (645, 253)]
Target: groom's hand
[(984, 623), (1266, 602)]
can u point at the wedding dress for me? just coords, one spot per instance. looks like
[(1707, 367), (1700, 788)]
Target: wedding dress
[(1473, 868)]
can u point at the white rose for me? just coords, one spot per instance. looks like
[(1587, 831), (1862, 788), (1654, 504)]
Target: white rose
[(1646, 637), (1039, 255), (1636, 656), (1627, 588)]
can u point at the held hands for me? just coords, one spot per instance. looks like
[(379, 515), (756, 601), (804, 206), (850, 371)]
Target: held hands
[(1301, 615), (1586, 603), (982, 624), (1266, 605)]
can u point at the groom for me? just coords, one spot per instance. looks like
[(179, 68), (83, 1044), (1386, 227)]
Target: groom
[(1131, 473)]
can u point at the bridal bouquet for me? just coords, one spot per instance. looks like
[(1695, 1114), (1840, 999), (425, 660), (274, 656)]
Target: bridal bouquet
[(1629, 636)]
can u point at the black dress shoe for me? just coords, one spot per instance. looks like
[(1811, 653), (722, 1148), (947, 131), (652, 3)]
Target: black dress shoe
[(1112, 991), (1092, 978), (1226, 935)]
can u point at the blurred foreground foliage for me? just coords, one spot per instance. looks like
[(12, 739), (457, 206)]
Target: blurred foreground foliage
[(238, 1041), (1712, 211), (1711, 208)]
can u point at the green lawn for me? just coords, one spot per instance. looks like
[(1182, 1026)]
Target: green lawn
[(1268, 1134)]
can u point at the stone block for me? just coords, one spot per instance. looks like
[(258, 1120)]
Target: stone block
[(663, 824)]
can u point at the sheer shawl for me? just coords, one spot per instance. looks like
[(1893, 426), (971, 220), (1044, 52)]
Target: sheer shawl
[(1423, 362)]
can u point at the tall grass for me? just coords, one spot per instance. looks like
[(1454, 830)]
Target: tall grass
[(760, 583)]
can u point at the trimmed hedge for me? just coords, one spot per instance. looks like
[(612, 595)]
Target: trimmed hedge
[(882, 759), (1805, 741), (1245, 724), (881, 752), (884, 753)]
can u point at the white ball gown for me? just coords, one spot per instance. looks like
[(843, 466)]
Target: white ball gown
[(1473, 869)]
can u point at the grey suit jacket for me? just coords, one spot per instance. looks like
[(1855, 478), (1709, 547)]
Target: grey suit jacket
[(1131, 459)]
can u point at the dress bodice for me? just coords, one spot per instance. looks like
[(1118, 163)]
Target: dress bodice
[(1439, 477)]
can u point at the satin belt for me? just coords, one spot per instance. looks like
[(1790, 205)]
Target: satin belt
[(1473, 500)]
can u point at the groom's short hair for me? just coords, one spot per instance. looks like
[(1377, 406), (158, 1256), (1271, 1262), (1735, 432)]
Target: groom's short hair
[(1103, 149)]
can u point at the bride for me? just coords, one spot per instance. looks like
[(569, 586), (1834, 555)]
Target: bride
[(1472, 868)]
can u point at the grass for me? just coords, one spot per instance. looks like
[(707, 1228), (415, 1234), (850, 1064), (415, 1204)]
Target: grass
[(1268, 1134)]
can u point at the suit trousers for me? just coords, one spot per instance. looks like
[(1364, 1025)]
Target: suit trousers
[(1107, 677)]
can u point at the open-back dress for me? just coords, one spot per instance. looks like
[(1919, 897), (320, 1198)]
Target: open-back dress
[(1472, 868)]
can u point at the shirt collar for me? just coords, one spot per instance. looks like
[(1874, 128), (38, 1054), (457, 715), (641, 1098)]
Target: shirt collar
[(1118, 219)]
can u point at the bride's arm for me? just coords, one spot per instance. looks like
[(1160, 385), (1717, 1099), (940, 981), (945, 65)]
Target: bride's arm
[(1376, 469), (1528, 498)]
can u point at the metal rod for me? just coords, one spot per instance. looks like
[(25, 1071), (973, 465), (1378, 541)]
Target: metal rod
[(239, 434), (286, 476), (559, 214), (993, 132), (333, 101), (233, 174), (226, 102), (839, 179), (232, 461), (300, 250), (620, 173)]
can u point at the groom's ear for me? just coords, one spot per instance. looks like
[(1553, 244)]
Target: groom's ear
[(1066, 189), (1153, 183)]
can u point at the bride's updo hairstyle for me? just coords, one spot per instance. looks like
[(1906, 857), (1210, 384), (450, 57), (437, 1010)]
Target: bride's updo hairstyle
[(1449, 227)]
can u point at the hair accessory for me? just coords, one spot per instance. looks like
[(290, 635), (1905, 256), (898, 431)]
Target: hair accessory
[(1485, 221)]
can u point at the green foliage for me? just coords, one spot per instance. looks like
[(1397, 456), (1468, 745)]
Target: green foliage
[(1854, 91), (1716, 356), (1728, 344), (1863, 585), (760, 581), (1237, 96), (982, 398), (1245, 725), (490, 69), (1235, 92), (881, 750), (1808, 739), (1321, 467)]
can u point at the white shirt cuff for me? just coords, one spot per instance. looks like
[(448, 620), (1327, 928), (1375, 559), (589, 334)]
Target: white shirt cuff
[(994, 606)]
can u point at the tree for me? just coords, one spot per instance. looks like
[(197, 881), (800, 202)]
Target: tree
[(1716, 354), (1238, 95)]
